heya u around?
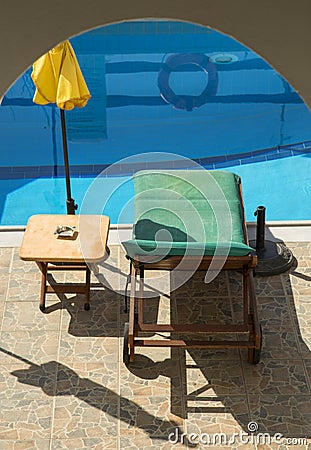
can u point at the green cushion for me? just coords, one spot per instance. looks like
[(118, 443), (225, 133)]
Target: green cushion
[(192, 212), (159, 250)]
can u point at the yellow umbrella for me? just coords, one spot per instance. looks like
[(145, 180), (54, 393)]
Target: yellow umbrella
[(58, 79)]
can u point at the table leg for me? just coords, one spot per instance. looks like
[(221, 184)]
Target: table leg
[(94, 268), (87, 288), (43, 268), (63, 288)]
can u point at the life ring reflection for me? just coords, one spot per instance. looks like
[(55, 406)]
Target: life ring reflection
[(187, 102)]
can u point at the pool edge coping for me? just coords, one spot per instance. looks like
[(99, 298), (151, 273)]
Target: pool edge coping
[(286, 231)]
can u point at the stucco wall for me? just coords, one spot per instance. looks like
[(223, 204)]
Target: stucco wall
[(278, 30)]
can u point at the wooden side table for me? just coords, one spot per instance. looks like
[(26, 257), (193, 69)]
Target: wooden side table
[(87, 246)]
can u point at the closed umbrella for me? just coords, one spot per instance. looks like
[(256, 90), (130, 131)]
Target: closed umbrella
[(58, 79)]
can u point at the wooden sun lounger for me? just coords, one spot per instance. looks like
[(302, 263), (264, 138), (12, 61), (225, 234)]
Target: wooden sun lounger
[(203, 214)]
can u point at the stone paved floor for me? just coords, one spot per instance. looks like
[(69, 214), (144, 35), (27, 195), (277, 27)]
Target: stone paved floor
[(63, 384)]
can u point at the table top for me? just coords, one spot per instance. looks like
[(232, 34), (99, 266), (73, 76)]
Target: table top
[(88, 244)]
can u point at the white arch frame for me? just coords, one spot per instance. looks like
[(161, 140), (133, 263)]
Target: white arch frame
[(278, 30)]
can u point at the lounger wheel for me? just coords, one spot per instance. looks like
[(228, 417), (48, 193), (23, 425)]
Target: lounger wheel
[(42, 308), (126, 353), (86, 306), (254, 353)]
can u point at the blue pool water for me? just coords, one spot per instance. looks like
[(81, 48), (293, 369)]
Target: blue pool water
[(273, 184), (248, 120)]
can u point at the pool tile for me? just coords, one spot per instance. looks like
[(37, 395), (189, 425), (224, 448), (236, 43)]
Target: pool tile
[(196, 285), (85, 417), (34, 346), (202, 309), (276, 377), (29, 444), (269, 287), (280, 344), (300, 308), (22, 266), (87, 348), (22, 381), (5, 259), (136, 439), (86, 380), (152, 375), (96, 443), (289, 415), (201, 355), (151, 414), (304, 330), (301, 250), (298, 283), (4, 286), (274, 314), (284, 444), (23, 288), (25, 419), (214, 378), (101, 320), (26, 315), (221, 414)]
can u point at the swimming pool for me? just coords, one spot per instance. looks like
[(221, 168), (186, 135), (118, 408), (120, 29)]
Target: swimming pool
[(272, 183), (244, 117)]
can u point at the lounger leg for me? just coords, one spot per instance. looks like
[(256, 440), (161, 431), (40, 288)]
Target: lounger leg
[(126, 298), (132, 323), (245, 295), (256, 336), (126, 356), (255, 353), (140, 318)]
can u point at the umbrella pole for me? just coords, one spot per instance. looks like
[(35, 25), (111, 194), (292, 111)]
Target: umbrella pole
[(71, 206)]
